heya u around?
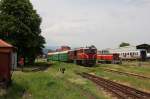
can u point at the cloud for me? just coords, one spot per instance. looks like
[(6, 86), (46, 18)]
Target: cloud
[(104, 23)]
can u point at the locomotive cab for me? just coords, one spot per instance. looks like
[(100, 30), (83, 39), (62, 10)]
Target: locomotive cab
[(91, 53), (83, 56)]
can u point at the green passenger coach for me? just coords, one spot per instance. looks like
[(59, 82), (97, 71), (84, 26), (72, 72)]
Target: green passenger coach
[(58, 56)]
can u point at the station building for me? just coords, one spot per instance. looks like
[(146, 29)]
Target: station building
[(8, 55), (146, 47)]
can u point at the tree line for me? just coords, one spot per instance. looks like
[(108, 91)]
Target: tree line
[(20, 26)]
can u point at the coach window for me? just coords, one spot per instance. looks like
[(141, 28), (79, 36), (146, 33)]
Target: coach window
[(134, 53)]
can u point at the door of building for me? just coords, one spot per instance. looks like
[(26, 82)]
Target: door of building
[(5, 65)]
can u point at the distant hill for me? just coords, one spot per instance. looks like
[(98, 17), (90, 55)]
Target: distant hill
[(52, 47), (49, 48)]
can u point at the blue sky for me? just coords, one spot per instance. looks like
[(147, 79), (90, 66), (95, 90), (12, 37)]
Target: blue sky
[(103, 23)]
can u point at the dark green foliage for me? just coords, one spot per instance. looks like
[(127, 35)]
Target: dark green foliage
[(124, 44), (20, 25)]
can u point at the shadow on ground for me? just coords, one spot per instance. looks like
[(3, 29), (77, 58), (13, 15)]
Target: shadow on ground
[(35, 67)]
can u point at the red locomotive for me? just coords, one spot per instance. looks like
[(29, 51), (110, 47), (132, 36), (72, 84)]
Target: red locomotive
[(83, 56), (108, 58)]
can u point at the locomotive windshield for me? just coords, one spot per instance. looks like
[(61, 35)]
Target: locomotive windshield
[(90, 51)]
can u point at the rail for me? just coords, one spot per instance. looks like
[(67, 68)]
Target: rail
[(119, 90)]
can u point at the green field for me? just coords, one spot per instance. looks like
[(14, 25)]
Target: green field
[(51, 83)]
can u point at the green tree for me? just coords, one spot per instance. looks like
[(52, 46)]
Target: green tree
[(20, 25), (124, 44)]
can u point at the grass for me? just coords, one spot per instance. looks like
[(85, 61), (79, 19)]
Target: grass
[(138, 83), (131, 67), (52, 84)]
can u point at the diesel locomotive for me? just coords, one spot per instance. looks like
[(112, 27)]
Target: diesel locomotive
[(109, 58), (85, 56)]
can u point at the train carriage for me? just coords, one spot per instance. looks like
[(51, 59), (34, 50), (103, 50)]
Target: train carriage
[(133, 55), (63, 56), (129, 53), (58, 56)]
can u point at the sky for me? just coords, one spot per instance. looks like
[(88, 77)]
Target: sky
[(103, 23)]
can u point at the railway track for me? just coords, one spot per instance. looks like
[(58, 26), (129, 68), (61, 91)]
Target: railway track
[(126, 73), (119, 90)]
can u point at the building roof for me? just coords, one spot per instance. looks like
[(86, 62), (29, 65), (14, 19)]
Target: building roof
[(4, 44), (144, 45), (123, 49)]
